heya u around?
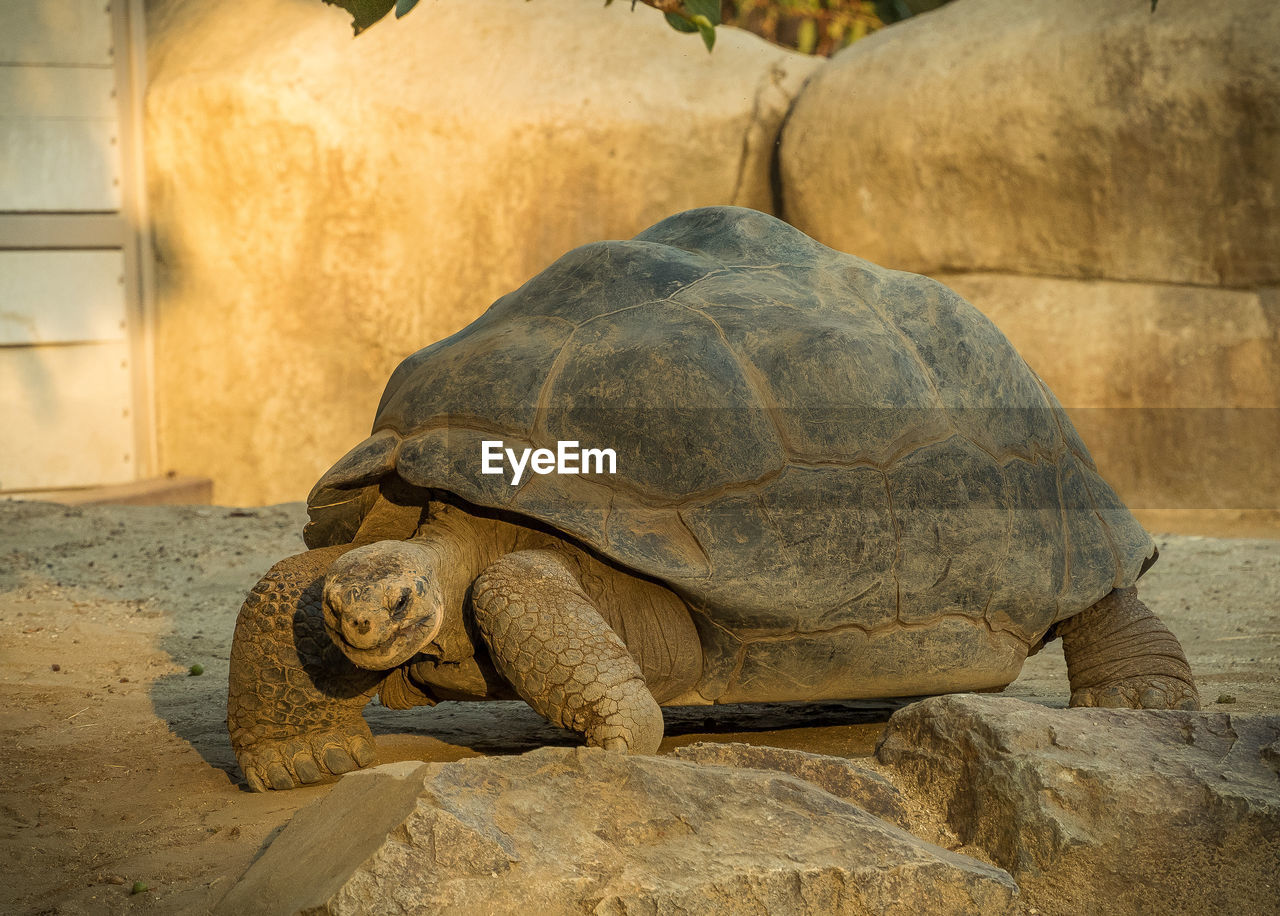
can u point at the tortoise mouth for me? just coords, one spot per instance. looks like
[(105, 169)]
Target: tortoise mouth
[(406, 641)]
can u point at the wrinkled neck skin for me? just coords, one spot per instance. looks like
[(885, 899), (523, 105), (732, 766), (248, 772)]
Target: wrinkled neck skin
[(455, 664)]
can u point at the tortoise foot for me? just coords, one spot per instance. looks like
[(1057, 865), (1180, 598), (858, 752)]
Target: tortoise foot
[(1120, 655), (284, 763), (1153, 691)]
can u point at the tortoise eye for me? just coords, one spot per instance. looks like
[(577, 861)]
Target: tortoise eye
[(402, 605)]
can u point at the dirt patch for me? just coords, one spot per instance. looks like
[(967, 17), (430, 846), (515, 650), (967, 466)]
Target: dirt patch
[(116, 763)]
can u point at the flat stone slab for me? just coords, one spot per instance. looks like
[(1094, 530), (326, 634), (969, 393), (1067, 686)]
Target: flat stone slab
[(582, 830), (1147, 810), (855, 782)]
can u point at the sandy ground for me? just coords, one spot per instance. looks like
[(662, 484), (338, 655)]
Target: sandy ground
[(115, 760)]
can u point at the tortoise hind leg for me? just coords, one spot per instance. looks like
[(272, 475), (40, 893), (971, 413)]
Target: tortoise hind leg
[(1119, 654), (294, 701)]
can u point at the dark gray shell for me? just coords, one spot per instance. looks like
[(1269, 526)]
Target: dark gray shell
[(805, 441)]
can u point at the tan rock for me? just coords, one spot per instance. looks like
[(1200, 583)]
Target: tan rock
[(1175, 389), (325, 205), (852, 780), (1102, 810), (1054, 137), (862, 781), (579, 830)]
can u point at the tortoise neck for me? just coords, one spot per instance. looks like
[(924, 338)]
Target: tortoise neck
[(458, 547), (462, 545)]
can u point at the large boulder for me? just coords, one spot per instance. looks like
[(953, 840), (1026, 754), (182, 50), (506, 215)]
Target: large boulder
[(324, 206), (1065, 138), (1145, 810), (582, 830)]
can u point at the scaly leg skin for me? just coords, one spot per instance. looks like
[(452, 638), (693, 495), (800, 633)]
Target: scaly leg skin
[(547, 638), (294, 701), (1119, 654)]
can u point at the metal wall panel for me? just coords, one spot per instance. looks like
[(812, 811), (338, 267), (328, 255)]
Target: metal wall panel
[(75, 350), (49, 297), (67, 416), (58, 32), (59, 139)]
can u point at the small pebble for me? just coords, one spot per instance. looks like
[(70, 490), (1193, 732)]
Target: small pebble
[(1226, 698), (55, 667), (195, 670)]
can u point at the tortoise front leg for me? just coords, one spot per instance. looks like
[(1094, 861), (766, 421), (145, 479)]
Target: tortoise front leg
[(1120, 654), (549, 641), (294, 701)]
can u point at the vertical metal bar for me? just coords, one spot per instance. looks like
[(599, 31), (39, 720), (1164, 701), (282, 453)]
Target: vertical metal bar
[(128, 28)]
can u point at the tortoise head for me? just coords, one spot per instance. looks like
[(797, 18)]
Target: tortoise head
[(383, 603)]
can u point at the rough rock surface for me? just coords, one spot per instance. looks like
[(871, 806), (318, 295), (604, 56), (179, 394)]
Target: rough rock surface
[(1053, 137), (1102, 810), (323, 206), (851, 780), (577, 830)]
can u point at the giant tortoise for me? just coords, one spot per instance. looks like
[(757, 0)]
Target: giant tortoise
[(830, 480)]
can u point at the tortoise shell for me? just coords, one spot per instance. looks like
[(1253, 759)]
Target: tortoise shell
[(806, 443)]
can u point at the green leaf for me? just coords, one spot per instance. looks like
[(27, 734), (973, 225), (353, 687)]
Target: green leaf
[(679, 23), (708, 8), (700, 16), (364, 13), (706, 30), (403, 6)]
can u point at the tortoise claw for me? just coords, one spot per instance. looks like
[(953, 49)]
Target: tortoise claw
[(336, 760), (305, 768), (299, 760), (1142, 692)]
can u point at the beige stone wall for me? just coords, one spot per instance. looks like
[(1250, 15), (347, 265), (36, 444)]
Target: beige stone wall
[(1175, 389), (325, 206), (1104, 182)]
